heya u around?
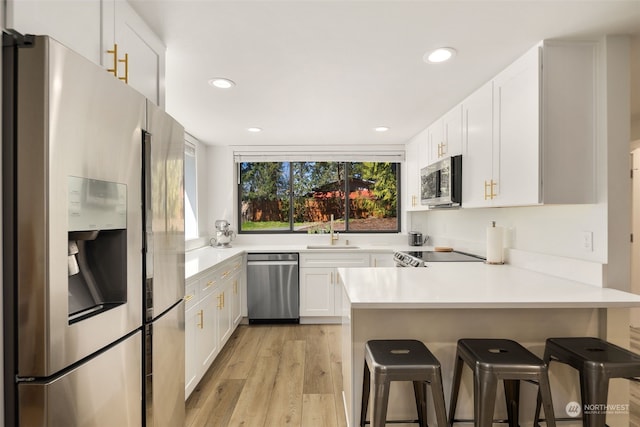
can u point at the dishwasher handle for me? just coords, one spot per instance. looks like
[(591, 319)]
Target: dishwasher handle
[(272, 262)]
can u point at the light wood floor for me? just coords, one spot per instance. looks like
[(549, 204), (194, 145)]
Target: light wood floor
[(273, 375)]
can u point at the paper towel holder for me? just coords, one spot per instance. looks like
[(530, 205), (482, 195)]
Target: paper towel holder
[(492, 233)]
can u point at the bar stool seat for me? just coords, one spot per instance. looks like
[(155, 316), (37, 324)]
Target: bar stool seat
[(401, 360), (498, 359), (597, 361)]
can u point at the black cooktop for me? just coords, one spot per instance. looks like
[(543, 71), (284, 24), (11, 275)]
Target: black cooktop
[(452, 256)]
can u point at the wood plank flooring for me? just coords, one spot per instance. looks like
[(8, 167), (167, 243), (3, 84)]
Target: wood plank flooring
[(273, 376)]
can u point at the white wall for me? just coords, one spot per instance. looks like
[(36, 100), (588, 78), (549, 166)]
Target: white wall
[(558, 230), (222, 187), (202, 188)]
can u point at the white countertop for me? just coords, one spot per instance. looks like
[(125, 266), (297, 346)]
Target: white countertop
[(199, 260), (473, 285)]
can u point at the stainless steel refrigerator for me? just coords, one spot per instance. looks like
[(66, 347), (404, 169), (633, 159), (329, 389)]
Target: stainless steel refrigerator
[(74, 242)]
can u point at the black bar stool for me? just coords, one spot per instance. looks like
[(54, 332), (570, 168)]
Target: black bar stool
[(498, 359), (401, 360), (597, 361)]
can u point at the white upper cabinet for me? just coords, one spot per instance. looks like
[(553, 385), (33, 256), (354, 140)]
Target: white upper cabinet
[(92, 28), (544, 126), (445, 136), (477, 156), (416, 159), (516, 137), (76, 24), (140, 53), (529, 135)]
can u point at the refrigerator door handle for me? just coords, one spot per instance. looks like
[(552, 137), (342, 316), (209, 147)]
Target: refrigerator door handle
[(147, 220)]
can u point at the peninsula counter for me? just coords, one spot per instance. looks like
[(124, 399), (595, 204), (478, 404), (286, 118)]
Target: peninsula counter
[(446, 301)]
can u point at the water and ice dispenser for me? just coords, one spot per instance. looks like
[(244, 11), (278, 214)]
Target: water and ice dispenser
[(97, 246)]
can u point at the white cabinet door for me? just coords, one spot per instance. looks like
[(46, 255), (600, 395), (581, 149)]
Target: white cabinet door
[(516, 124), (435, 142), (145, 51), (452, 132), (191, 366), (477, 159), (75, 24), (206, 339), (224, 301), (382, 260), (317, 291), (416, 159)]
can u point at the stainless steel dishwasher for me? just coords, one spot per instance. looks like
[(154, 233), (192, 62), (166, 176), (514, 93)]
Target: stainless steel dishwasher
[(273, 288)]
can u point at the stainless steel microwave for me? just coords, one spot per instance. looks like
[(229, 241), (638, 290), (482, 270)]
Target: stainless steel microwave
[(441, 183)]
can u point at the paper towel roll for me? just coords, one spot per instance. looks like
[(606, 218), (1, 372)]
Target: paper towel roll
[(494, 244)]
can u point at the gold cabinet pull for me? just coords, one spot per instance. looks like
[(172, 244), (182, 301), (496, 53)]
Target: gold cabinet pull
[(201, 315), (221, 301), (489, 193), (114, 52), (188, 298), (125, 61), (117, 61), (209, 284), (235, 287)]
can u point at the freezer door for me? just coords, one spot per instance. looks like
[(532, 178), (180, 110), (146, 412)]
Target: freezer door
[(103, 392), (164, 369), (164, 212), (74, 120)]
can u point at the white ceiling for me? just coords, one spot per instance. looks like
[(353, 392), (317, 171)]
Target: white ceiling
[(328, 72)]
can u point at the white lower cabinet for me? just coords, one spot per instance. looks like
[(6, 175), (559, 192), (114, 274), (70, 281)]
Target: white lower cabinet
[(320, 292), (213, 310), (382, 259), (317, 291), (191, 324)]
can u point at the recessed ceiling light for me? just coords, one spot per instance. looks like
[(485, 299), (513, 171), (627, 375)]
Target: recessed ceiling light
[(254, 130), (381, 129), (439, 55), (222, 83)]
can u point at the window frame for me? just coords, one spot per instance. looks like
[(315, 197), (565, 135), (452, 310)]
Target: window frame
[(291, 229), (189, 145)]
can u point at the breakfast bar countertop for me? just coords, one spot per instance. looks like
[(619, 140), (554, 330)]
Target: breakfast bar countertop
[(472, 285)]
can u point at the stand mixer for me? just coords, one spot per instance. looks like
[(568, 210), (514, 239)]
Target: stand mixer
[(224, 234)]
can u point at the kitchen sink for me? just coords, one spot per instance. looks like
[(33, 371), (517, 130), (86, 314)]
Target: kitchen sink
[(331, 247)]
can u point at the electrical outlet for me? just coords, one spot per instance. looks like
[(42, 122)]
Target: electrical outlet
[(587, 241)]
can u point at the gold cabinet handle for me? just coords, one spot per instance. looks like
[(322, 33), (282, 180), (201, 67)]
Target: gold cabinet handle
[(188, 298), (221, 301), (235, 287), (114, 52), (209, 284), (125, 61), (225, 274), (117, 61), (201, 315), (489, 187)]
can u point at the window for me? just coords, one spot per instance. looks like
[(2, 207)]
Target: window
[(190, 193), (303, 196)]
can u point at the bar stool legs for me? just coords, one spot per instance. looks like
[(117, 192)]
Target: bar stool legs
[(401, 360), (597, 361), (492, 360)]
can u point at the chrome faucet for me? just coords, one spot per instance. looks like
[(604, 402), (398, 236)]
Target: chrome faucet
[(334, 236)]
